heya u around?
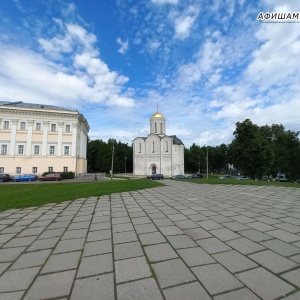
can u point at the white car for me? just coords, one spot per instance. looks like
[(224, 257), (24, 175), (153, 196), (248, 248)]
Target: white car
[(225, 177), (242, 178)]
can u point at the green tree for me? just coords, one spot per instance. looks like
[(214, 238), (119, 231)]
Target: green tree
[(286, 148), (250, 150), (99, 156)]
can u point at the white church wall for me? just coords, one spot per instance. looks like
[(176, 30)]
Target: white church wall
[(153, 144), (178, 160), (157, 153)]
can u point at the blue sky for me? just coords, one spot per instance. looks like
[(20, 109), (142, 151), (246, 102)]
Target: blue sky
[(207, 64)]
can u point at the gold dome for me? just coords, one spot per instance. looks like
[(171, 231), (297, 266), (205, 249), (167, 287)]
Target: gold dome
[(157, 115)]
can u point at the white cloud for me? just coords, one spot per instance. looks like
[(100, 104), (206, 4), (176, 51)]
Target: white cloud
[(276, 61), (39, 78), (184, 21), (165, 1), (123, 45), (207, 63), (153, 45), (183, 26)]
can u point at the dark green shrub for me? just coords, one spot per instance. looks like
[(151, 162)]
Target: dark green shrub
[(67, 175)]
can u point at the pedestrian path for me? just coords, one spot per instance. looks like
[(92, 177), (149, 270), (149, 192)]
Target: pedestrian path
[(178, 241)]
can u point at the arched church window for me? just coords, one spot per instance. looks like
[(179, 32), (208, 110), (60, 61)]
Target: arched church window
[(155, 128), (153, 147), (161, 131), (140, 147), (167, 146)]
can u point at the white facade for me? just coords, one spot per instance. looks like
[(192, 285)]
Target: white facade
[(41, 138), (158, 153)]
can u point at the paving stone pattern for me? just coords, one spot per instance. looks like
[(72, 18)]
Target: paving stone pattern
[(174, 242)]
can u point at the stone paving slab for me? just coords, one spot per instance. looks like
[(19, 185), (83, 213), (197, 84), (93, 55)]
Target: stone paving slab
[(178, 241)]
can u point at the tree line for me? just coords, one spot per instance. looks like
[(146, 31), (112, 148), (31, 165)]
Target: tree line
[(255, 151), (100, 153)]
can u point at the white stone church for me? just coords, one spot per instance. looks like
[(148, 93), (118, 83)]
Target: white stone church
[(158, 153)]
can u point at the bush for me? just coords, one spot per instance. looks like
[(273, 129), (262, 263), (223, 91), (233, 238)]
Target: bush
[(64, 175), (67, 175)]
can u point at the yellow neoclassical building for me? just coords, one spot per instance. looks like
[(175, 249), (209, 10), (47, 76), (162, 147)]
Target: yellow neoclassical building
[(38, 138)]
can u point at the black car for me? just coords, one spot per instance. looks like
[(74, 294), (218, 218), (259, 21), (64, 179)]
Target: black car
[(178, 177), (196, 176), (156, 177), (5, 177)]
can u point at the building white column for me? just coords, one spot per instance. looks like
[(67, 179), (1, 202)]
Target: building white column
[(13, 137), (45, 138), (82, 142), (60, 132), (29, 137), (74, 140), (161, 156)]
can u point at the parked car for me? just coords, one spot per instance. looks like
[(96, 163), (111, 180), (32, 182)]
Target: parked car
[(51, 177), (281, 177), (178, 177), (195, 176), (298, 181), (156, 177), (24, 177), (5, 177), (242, 178), (225, 177)]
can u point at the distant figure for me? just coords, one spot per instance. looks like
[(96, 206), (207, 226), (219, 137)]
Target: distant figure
[(95, 179)]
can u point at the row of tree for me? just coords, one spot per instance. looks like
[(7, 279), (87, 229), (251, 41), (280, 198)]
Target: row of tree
[(100, 154), (255, 151), (265, 150)]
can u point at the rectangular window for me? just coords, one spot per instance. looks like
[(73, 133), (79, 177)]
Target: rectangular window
[(6, 125), (68, 128), (65, 169), (18, 170), (38, 126), (3, 150), (36, 150), (52, 150), (22, 125), (20, 149), (153, 147), (53, 127), (1, 169), (34, 170), (50, 169), (67, 150)]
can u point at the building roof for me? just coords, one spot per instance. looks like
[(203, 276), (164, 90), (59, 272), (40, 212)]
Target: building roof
[(34, 106), (176, 140), (157, 115)]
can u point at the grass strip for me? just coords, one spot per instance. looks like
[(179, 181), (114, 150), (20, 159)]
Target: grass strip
[(212, 180), (27, 195)]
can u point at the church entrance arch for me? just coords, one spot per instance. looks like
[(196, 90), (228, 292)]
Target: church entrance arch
[(153, 169)]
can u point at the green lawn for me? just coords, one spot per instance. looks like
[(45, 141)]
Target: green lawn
[(213, 179), (27, 195)]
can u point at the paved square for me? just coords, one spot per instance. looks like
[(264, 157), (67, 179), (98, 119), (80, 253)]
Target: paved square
[(178, 241)]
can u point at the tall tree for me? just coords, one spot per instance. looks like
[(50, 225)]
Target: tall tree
[(286, 149), (99, 156), (250, 151)]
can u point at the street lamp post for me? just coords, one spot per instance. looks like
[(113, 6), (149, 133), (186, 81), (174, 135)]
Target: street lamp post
[(125, 162), (206, 163), (112, 161), (199, 164)]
